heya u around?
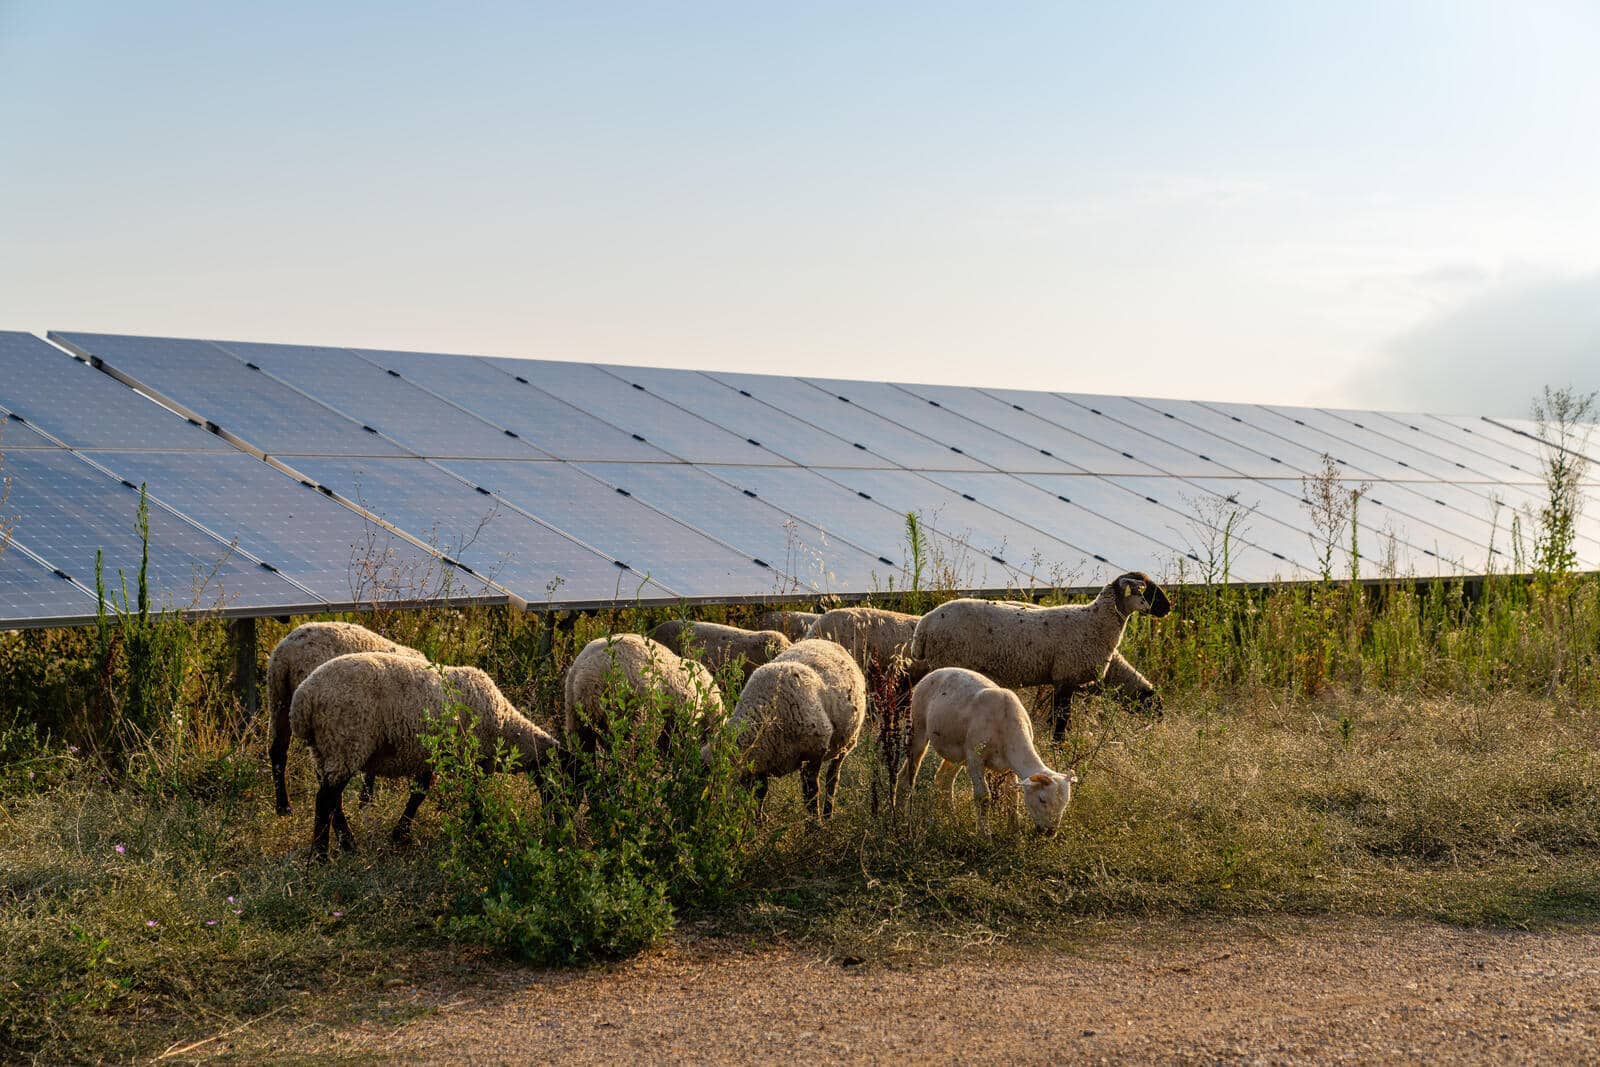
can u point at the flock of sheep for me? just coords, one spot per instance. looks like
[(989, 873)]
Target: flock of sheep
[(359, 701)]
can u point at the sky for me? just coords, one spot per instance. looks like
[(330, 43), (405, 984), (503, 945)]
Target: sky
[(1374, 204)]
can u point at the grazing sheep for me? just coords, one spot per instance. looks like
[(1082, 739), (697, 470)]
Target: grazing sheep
[(1065, 647), (1122, 679), (875, 637), (367, 711), (802, 710), (293, 659), (644, 665), (791, 624), (720, 645), (973, 722)]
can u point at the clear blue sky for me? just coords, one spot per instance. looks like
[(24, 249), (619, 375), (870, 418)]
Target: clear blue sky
[(1384, 203)]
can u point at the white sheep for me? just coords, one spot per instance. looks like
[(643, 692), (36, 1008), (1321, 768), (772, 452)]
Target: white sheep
[(970, 721), (718, 645), (878, 639), (644, 666), (1122, 679), (802, 710), (367, 711), (791, 624), (302, 651), (1067, 647)]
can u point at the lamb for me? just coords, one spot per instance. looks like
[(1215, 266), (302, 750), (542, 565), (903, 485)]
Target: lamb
[(791, 624), (366, 711), (644, 665), (802, 710), (970, 720), (720, 645), (1067, 647), (293, 659)]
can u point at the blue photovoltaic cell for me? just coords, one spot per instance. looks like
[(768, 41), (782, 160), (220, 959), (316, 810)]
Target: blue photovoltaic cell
[(623, 528), (1404, 460), (831, 507), (1118, 548), (944, 426), (996, 537), (670, 428), (767, 427), (1466, 463), (791, 545), (85, 408), (32, 592), (399, 410), (849, 422), (1221, 454), (65, 510), (549, 423), (322, 544), (1074, 450), (1084, 420), (208, 381), (494, 540)]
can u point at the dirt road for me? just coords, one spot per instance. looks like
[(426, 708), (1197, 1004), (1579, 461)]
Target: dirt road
[(1282, 991)]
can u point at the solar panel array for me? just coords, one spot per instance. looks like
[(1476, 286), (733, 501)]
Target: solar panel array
[(291, 477)]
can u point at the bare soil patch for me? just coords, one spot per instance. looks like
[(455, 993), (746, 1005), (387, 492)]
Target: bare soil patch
[(1274, 991)]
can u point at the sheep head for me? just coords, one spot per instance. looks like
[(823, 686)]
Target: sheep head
[(1046, 796), (1135, 592)]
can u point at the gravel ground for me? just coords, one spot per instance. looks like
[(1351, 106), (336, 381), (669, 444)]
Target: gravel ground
[(1279, 991)]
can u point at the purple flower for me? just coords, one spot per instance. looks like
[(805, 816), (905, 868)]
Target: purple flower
[(122, 850), (151, 923), (238, 911), (338, 915), (211, 922), (230, 900)]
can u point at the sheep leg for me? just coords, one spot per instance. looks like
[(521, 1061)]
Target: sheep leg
[(419, 793), (279, 754), (327, 797), (369, 786), (760, 792), (1061, 711), (347, 840), (980, 791), (907, 779), (830, 786), (808, 786), (944, 783)]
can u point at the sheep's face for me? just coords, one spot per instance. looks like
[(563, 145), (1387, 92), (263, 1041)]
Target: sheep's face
[(1136, 593), (1047, 795)]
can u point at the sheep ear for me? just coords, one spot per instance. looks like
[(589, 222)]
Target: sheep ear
[(1159, 604), (1042, 778)]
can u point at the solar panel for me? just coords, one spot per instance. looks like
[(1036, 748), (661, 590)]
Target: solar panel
[(1481, 435), (402, 412), (517, 405), (1218, 455), (1467, 463), (758, 423), (668, 427), (1244, 424), (201, 378), (336, 552), (945, 426), (1387, 457), (32, 593), (676, 555), (85, 408), (791, 545), (65, 510), (529, 558), (1082, 418), (866, 432)]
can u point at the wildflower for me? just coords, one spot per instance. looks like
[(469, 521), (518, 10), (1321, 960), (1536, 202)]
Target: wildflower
[(230, 900), (238, 911), (151, 923), (211, 922), (122, 850), (338, 915)]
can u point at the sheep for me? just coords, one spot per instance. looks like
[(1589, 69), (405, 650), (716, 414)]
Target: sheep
[(970, 720), (720, 645), (1067, 647), (306, 648), (791, 624), (366, 711), (802, 710), (1122, 679), (874, 636), (644, 665)]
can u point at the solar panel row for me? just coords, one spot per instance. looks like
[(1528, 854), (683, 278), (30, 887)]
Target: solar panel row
[(578, 484)]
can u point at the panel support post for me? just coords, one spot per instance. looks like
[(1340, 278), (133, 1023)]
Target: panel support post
[(246, 681)]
